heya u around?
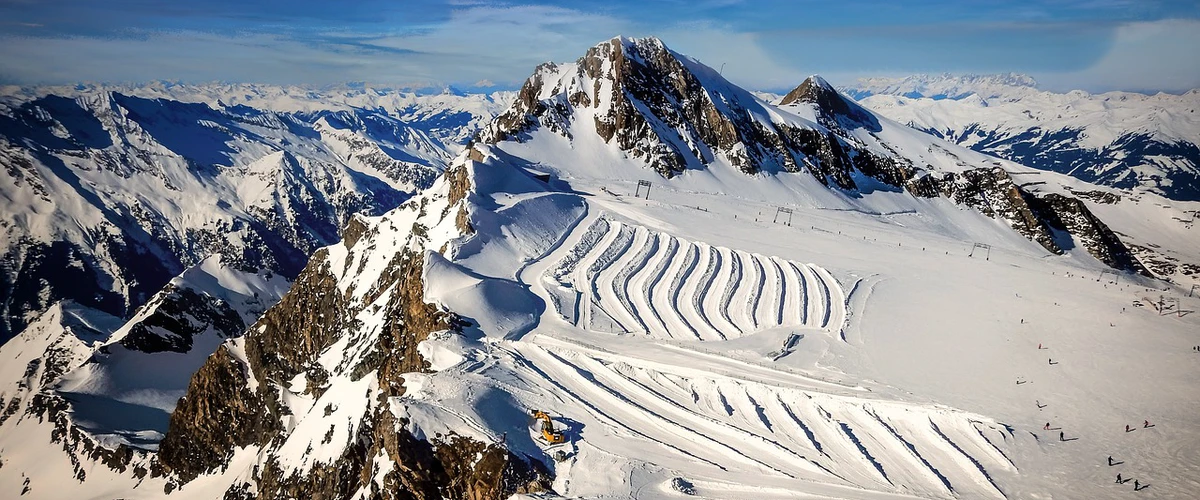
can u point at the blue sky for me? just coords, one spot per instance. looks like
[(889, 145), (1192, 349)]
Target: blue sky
[(1095, 45)]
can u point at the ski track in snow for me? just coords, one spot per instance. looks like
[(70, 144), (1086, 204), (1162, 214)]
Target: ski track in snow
[(655, 284), (776, 430)]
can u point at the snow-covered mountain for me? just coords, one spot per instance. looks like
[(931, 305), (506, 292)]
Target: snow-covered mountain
[(693, 340), (108, 195), (1008, 86), (87, 394), (450, 116), (1119, 139)]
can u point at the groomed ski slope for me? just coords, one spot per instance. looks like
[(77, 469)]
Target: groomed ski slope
[(678, 354), (627, 278)]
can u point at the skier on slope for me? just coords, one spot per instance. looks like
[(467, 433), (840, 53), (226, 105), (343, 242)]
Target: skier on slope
[(1145, 424), (1046, 427), (1060, 436), (1110, 460), (1127, 429), (1119, 478)]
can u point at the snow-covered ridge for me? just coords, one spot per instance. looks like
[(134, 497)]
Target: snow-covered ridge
[(945, 86), (1120, 139), (125, 191), (449, 116)]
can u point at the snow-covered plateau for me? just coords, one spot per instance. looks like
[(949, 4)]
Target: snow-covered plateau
[(709, 295)]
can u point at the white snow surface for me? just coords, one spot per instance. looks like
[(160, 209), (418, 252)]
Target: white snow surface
[(1125, 139), (928, 375), (123, 395), (912, 394)]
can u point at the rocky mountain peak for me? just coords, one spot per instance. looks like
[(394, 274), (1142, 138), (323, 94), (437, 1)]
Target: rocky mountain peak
[(675, 114), (814, 90), (650, 102), (829, 103)]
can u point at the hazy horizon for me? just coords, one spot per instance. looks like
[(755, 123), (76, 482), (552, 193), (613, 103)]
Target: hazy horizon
[(1091, 45)]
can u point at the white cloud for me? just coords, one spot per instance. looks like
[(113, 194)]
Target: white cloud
[(485, 83), (498, 44), (1157, 55), (745, 61)]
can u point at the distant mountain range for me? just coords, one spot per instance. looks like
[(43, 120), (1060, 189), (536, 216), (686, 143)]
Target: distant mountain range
[(263, 292), (115, 190), (1120, 139)]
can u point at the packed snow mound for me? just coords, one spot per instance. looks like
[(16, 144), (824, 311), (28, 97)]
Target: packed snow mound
[(624, 278), (698, 411)]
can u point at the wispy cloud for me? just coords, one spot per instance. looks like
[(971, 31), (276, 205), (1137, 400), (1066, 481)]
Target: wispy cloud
[(766, 44), (1143, 56)]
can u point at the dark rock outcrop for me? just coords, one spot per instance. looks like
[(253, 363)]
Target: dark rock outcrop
[(285, 343), (993, 193), (179, 315), (1071, 215)]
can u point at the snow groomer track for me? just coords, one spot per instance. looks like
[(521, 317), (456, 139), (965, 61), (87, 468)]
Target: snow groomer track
[(629, 279)]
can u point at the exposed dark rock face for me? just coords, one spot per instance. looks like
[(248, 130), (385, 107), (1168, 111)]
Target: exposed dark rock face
[(993, 193), (285, 343), (835, 110), (676, 114), (655, 107), (218, 414), (1071, 215), (1164, 266), (179, 315), (1105, 197), (455, 467)]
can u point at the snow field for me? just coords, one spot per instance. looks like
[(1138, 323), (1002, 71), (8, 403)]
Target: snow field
[(674, 415), (631, 279)]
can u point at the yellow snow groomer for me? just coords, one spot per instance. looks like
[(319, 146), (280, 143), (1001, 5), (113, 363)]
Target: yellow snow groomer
[(548, 433)]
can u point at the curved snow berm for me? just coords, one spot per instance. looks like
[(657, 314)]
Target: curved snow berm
[(627, 279), (108, 196), (677, 115)]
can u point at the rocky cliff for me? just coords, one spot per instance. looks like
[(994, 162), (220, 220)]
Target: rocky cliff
[(109, 195), (314, 386), (673, 113)]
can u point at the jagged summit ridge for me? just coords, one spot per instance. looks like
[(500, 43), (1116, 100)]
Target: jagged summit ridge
[(652, 103), (830, 104), (675, 115)]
